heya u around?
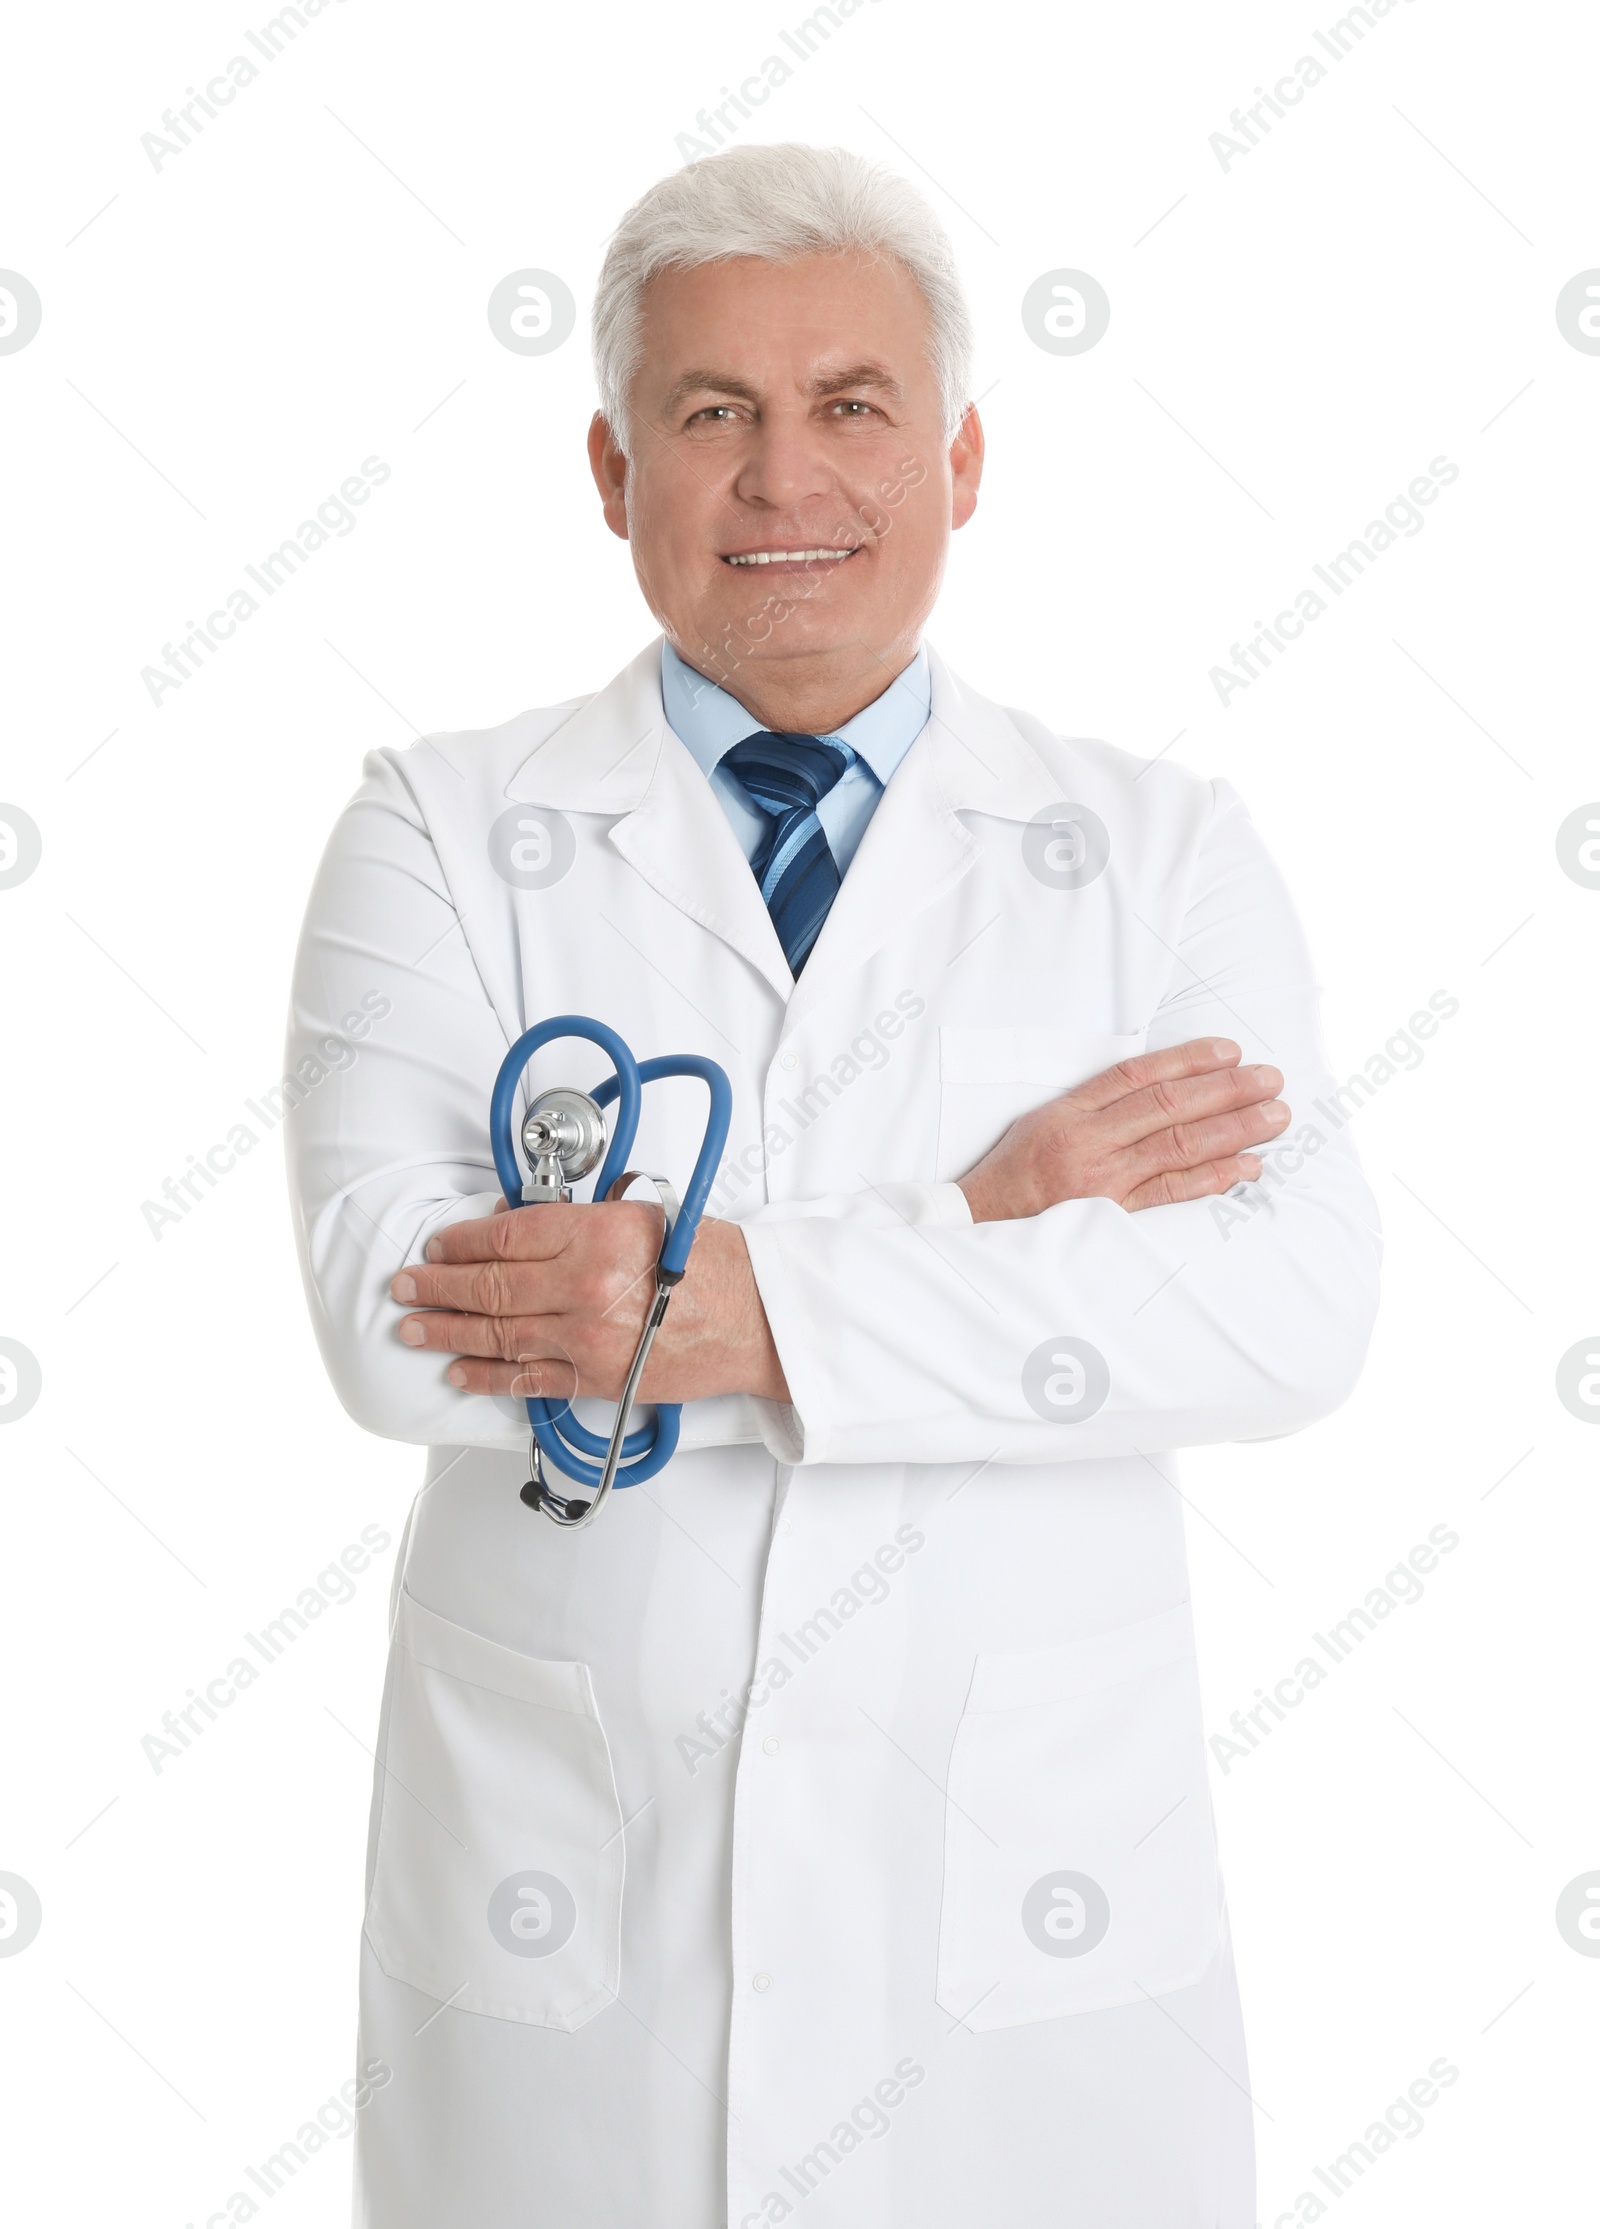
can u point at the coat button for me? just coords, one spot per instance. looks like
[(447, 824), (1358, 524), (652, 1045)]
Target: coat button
[(761, 1981), (788, 1060), (772, 1745)]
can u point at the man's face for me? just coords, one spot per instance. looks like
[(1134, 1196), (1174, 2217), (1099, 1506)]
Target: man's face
[(789, 411)]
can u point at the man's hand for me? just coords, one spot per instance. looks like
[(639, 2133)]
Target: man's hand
[(1163, 1127), (549, 1302)]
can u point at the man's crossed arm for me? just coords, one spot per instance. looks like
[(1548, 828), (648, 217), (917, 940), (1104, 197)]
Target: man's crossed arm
[(549, 1301)]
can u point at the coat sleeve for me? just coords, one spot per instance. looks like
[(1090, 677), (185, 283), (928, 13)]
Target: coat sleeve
[(909, 1334), (391, 1144)]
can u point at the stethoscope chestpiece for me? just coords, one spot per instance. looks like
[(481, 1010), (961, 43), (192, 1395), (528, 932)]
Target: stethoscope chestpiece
[(563, 1135)]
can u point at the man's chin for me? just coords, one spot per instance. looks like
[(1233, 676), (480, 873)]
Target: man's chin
[(732, 649)]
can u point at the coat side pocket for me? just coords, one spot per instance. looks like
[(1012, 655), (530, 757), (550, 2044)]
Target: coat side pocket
[(497, 1883), (1080, 1851)]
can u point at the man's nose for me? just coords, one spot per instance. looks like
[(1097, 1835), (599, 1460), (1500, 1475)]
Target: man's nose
[(785, 465)]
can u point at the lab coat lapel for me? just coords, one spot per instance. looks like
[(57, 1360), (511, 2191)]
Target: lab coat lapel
[(969, 757), (680, 841), (616, 755)]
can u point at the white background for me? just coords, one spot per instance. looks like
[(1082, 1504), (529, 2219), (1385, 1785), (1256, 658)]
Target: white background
[(223, 341)]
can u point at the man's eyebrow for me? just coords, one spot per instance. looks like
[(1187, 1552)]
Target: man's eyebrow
[(866, 374)]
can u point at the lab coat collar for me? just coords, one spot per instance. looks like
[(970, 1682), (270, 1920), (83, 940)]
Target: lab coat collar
[(602, 759), (616, 755), (970, 757), (982, 760)]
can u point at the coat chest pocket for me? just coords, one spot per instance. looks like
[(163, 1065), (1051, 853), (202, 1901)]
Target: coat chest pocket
[(988, 1077), (1080, 1853), (498, 1877)]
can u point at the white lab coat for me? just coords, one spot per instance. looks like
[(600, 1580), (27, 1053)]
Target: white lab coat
[(825, 1832)]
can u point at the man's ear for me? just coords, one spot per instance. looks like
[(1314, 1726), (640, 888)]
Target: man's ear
[(610, 469), (966, 467)]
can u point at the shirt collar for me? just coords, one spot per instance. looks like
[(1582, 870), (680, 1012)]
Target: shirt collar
[(708, 721)]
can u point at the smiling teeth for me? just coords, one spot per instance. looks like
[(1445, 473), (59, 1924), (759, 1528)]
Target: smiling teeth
[(786, 557)]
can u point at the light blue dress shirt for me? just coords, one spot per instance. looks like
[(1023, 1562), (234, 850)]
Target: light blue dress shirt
[(708, 722)]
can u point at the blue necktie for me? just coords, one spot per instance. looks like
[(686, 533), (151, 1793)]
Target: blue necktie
[(787, 776)]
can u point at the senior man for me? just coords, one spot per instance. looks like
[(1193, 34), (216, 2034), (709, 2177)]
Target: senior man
[(824, 1830)]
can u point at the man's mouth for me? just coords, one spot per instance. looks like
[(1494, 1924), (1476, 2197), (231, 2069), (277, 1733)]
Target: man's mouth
[(788, 557)]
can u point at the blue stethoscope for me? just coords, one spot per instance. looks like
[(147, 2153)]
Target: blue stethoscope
[(563, 1136)]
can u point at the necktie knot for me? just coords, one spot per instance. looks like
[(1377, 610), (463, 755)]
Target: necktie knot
[(787, 776), (782, 771)]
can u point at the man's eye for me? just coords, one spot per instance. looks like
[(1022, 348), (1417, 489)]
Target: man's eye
[(711, 410), (850, 402)]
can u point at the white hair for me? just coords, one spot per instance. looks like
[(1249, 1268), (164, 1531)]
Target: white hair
[(779, 203)]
